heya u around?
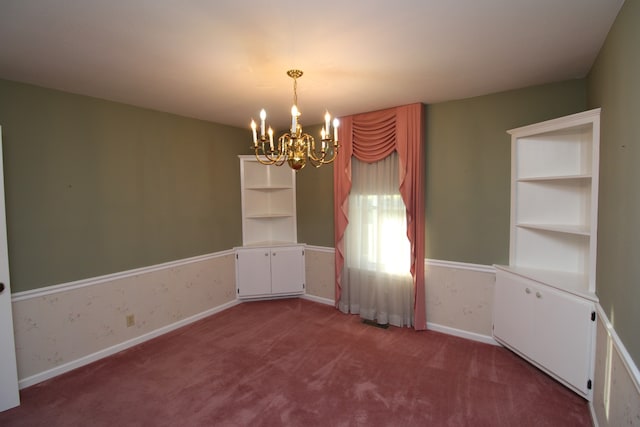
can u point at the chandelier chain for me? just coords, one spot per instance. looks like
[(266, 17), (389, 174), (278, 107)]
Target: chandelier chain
[(295, 91)]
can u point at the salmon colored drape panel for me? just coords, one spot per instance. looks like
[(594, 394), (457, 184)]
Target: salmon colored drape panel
[(371, 137)]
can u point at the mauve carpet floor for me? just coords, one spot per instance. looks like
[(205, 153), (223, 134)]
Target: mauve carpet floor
[(298, 363)]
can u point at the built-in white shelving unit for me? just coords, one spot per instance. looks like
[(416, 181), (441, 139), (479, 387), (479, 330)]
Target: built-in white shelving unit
[(544, 307), (270, 262), (268, 203)]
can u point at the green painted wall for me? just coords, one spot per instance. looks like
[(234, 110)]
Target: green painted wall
[(469, 166), (314, 201), (614, 85), (95, 187)]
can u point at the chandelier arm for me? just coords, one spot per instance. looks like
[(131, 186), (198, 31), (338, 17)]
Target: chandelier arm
[(266, 157), (314, 164), (315, 157), (315, 161), (281, 154), (321, 157), (264, 162)]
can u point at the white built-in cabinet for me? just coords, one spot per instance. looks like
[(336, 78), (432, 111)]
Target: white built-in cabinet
[(544, 305), (270, 271), (270, 262)]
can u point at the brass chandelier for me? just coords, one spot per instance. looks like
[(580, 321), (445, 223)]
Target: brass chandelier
[(295, 147)]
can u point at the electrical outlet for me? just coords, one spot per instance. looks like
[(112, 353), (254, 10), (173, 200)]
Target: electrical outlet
[(130, 320)]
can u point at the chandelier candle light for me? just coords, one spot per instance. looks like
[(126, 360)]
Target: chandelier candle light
[(295, 147)]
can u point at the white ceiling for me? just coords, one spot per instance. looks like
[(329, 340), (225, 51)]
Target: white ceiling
[(223, 60)]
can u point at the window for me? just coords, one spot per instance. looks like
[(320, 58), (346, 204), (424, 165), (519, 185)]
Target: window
[(381, 240)]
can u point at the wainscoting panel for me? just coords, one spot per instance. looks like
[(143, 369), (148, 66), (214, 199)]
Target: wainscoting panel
[(460, 298), (320, 272), (616, 394), (64, 326)]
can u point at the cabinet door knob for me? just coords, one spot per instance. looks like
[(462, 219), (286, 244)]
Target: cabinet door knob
[(1, 287), (266, 254), (274, 254), (538, 295), (527, 290)]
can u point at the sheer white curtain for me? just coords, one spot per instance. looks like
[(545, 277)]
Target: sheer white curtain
[(376, 280)]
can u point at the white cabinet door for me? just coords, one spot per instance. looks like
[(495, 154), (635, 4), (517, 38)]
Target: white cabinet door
[(563, 335), (513, 313), (551, 328), (287, 270), (253, 272)]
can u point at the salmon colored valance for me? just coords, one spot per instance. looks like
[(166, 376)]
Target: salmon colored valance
[(371, 137)]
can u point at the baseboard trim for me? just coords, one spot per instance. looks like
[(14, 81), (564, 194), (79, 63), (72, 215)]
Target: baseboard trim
[(430, 326), (629, 365), (459, 265), (85, 360), (63, 287), (321, 300), (462, 333)]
